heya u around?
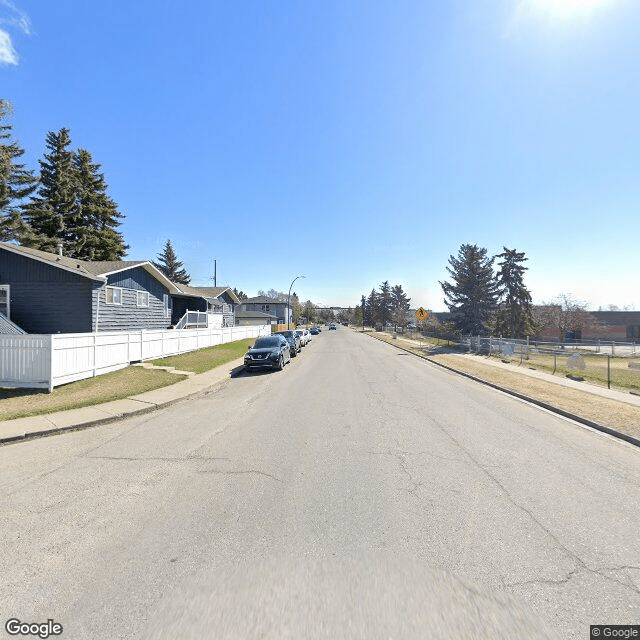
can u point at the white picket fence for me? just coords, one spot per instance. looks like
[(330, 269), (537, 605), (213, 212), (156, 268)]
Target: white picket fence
[(46, 361)]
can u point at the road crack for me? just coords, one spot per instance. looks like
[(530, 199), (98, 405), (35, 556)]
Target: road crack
[(574, 573)]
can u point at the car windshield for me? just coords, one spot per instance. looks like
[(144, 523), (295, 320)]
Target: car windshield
[(287, 334), (266, 343)]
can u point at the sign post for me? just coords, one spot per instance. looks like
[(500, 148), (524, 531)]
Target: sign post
[(421, 315)]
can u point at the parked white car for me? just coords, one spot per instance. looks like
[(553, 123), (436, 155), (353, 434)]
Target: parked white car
[(304, 334)]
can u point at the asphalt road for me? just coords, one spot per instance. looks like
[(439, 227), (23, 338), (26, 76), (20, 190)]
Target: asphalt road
[(359, 493)]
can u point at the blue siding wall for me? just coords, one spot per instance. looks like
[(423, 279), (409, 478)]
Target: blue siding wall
[(128, 315), (227, 298), (45, 299)]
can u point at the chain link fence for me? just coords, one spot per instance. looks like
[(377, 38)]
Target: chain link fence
[(614, 364)]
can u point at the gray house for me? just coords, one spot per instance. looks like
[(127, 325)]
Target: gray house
[(270, 306), (45, 292), (248, 318), (220, 300)]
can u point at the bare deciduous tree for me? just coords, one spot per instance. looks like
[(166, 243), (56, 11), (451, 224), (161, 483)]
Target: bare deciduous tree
[(564, 315)]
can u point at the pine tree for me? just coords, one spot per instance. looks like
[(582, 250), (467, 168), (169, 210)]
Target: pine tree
[(169, 264), (472, 298), (399, 305), (16, 182), (91, 232), (49, 212), (514, 315), (385, 303), (241, 294), (399, 299), (372, 316)]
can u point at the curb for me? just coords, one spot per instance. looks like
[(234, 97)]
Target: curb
[(43, 433), (522, 396)]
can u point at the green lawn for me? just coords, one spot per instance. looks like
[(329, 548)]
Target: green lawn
[(20, 403), (205, 359)]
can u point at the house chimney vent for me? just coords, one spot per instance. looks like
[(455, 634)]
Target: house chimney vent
[(60, 248)]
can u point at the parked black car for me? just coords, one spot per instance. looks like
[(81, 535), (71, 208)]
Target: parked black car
[(270, 352), (293, 339), (314, 331)]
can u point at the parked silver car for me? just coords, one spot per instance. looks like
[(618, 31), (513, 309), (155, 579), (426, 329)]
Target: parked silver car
[(305, 336)]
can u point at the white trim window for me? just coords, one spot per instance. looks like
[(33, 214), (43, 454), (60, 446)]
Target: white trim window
[(5, 300), (113, 295), (142, 298)]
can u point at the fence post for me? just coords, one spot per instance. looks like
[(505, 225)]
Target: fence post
[(50, 363), (608, 371), (613, 348), (554, 362)]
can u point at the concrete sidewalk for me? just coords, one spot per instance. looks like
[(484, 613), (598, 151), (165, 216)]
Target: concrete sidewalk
[(24, 428), (593, 389)]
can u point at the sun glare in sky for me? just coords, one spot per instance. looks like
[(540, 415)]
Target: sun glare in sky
[(567, 8)]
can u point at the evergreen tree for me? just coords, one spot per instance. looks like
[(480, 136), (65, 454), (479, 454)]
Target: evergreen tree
[(169, 264), (91, 230), (363, 309), (399, 299), (514, 315), (296, 308), (16, 182), (309, 311), (472, 297), (241, 294), (385, 303), (51, 209), (357, 315), (372, 316)]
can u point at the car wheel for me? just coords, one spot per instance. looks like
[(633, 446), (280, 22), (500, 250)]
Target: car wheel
[(281, 363)]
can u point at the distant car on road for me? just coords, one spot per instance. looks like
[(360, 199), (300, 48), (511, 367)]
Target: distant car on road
[(270, 352), (314, 331), (332, 325)]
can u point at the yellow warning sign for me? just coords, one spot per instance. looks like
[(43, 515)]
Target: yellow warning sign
[(422, 314)]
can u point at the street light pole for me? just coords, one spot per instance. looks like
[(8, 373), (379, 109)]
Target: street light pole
[(288, 300)]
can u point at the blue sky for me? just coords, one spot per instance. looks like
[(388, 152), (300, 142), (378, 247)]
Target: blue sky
[(351, 141)]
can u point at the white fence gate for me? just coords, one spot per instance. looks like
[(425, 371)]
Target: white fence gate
[(46, 361)]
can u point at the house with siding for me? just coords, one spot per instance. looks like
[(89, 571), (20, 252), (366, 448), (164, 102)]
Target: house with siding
[(249, 318), (47, 293), (216, 300), (270, 306)]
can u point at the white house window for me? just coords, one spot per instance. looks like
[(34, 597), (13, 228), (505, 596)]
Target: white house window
[(114, 295), (143, 298), (265, 308), (4, 300)]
